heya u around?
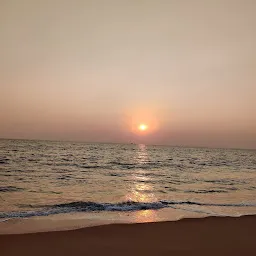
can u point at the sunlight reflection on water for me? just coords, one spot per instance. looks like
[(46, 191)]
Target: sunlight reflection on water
[(146, 216), (141, 191)]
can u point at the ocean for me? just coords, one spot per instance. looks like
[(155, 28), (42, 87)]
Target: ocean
[(123, 182)]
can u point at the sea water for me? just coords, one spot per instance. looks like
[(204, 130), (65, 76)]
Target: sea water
[(124, 182)]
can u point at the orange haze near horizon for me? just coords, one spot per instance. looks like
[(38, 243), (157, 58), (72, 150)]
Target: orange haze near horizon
[(95, 71)]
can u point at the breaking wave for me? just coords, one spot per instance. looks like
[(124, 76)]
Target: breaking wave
[(117, 207)]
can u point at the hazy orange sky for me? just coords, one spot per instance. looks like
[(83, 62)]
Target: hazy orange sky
[(93, 70)]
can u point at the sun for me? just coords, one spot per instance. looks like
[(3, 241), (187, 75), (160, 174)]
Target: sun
[(142, 127)]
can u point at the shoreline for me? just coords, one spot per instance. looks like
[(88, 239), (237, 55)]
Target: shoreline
[(193, 236), (61, 222)]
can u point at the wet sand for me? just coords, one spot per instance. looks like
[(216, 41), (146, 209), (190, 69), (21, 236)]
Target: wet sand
[(206, 236)]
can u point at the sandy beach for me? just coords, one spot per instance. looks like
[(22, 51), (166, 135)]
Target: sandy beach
[(206, 236)]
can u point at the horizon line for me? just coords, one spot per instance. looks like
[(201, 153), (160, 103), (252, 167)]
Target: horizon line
[(130, 143)]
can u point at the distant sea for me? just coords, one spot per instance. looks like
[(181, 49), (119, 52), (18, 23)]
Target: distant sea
[(124, 182)]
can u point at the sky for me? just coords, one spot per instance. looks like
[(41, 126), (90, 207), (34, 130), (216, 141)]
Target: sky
[(95, 70)]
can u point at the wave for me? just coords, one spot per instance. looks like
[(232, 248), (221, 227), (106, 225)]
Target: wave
[(4, 160), (204, 191), (10, 189), (127, 206), (243, 204)]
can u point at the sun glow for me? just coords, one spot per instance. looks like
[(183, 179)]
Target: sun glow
[(143, 127), (142, 122)]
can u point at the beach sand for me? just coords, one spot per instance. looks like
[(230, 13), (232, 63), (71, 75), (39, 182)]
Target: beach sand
[(206, 236)]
